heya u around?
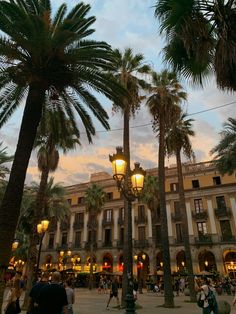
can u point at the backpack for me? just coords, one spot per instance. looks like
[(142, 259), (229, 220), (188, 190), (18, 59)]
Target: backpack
[(211, 299), (200, 302)]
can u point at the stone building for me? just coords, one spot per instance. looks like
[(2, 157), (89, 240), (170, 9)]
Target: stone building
[(211, 212)]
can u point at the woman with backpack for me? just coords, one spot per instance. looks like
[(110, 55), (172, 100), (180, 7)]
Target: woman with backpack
[(207, 299)]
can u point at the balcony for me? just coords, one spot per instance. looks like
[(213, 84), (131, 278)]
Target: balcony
[(121, 221), (158, 243), (77, 246), (106, 222), (176, 217), (120, 244), (88, 245), (179, 241), (140, 244), (228, 239), (140, 220), (62, 247), (203, 239), (78, 224), (50, 247), (223, 212), (107, 244), (65, 225), (92, 224), (202, 215)]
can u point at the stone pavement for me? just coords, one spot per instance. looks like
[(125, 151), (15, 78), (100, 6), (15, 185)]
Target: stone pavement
[(90, 302)]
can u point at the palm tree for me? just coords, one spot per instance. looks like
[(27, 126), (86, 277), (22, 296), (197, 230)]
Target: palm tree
[(47, 61), (177, 141), (129, 67), (94, 199), (225, 151), (4, 157), (166, 94), (200, 38)]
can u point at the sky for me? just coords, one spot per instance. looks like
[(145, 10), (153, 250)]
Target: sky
[(123, 24)]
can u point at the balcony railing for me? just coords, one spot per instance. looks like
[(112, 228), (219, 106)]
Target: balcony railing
[(228, 239), (77, 246), (120, 244), (107, 222), (120, 220), (141, 243), (179, 241), (203, 239), (107, 244), (222, 212), (62, 247), (92, 224), (140, 220), (88, 245), (65, 226), (50, 246), (78, 224), (176, 217), (202, 215)]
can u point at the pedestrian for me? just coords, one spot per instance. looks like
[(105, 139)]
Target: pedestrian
[(34, 294), (70, 296), (135, 289), (209, 300), (114, 292), (52, 297), (13, 297)]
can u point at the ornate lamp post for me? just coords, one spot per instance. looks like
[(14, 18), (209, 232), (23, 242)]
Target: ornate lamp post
[(41, 229), (130, 184)]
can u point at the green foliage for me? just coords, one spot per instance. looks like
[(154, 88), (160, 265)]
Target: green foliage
[(3, 159), (150, 194), (225, 151), (95, 198)]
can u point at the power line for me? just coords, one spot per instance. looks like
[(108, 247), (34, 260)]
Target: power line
[(149, 124)]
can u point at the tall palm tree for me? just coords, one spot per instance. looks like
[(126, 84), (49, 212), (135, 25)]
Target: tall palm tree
[(225, 151), (128, 70), (47, 60), (177, 141), (165, 95), (201, 38), (95, 198)]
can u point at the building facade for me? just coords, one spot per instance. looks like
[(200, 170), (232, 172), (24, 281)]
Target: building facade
[(211, 213)]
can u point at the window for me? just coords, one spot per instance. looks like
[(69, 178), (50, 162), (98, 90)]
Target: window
[(195, 184), (226, 229), (220, 201), (141, 233), (141, 212), (80, 200), (92, 236), (79, 217), (179, 234), (216, 180), (201, 228), (69, 200), (198, 205), (174, 187), (78, 239), (122, 213), (108, 215), (121, 235), (158, 234), (109, 196), (107, 236), (177, 208), (51, 241), (64, 238)]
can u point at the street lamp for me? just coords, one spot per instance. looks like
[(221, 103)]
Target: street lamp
[(130, 184), (41, 229), (15, 245)]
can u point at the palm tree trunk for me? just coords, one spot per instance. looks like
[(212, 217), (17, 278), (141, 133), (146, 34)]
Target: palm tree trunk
[(40, 200), (127, 288), (10, 207), (168, 289), (91, 268), (187, 248)]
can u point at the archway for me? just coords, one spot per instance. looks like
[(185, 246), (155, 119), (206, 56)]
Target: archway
[(181, 262), (88, 263), (207, 261), (159, 263), (76, 263), (230, 263), (121, 263), (107, 263)]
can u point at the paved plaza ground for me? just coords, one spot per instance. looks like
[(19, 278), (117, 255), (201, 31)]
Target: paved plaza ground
[(90, 302)]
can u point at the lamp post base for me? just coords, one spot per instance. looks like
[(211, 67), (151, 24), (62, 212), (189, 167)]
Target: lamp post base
[(130, 304)]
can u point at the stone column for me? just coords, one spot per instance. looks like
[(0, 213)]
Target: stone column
[(85, 227), (233, 207), (58, 234), (211, 216), (190, 219), (115, 222), (71, 230), (169, 222), (99, 234)]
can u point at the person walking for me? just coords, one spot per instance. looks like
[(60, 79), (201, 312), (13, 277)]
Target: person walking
[(34, 294), (52, 297), (114, 292), (207, 295), (70, 296), (13, 297)]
